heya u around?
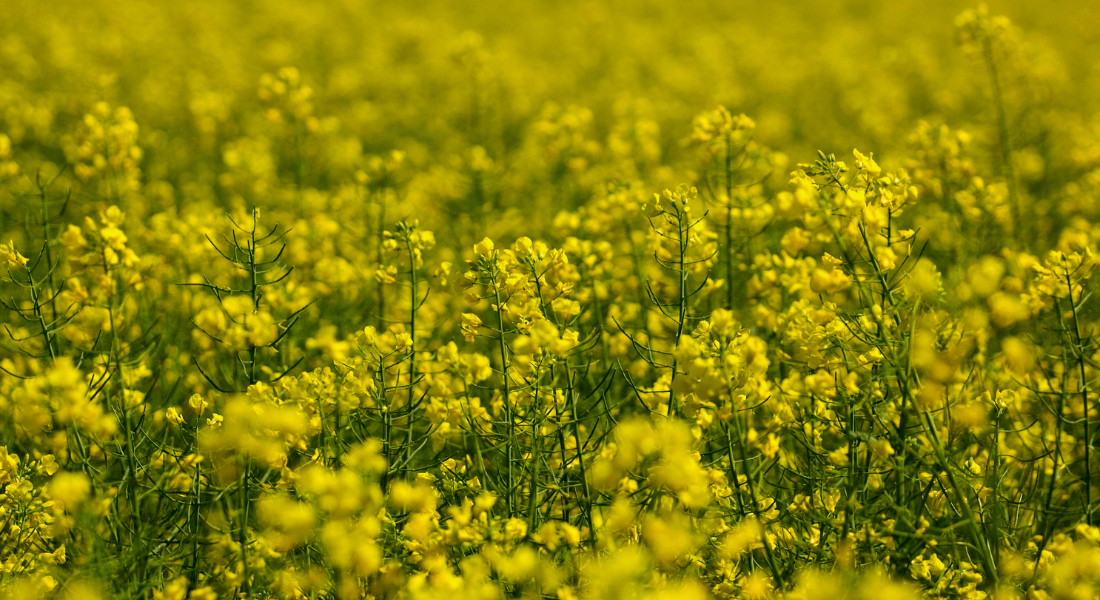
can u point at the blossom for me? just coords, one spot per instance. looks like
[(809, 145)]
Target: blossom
[(14, 259), (173, 415), (470, 323)]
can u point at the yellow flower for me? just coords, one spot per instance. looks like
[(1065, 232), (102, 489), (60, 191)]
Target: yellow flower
[(756, 587), (867, 163), (470, 323), (478, 367), (386, 274), (882, 448), (828, 282), (570, 534), (203, 593), (484, 247), (515, 529), (73, 238), (14, 259), (70, 489), (173, 415), (198, 404), (718, 123), (1018, 356), (404, 342), (1007, 309)]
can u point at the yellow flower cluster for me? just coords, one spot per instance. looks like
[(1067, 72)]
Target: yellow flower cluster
[(519, 301), (106, 146)]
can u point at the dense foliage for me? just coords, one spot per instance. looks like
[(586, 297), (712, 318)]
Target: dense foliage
[(582, 300)]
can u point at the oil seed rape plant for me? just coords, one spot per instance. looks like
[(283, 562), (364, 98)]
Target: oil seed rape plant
[(489, 303)]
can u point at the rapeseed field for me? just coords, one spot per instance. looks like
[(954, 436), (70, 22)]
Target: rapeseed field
[(578, 300)]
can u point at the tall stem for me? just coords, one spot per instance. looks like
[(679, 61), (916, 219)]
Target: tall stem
[(509, 414), (1002, 131), (729, 222)]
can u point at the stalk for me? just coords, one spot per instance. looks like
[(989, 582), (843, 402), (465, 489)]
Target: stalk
[(984, 551), (1082, 385), (509, 413), (1002, 131), (532, 501), (729, 222), (580, 460), (413, 300)]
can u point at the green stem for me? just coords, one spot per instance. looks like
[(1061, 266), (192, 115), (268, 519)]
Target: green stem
[(413, 299), (242, 533), (509, 413), (580, 459), (984, 551), (1082, 385), (729, 222), (1003, 134)]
